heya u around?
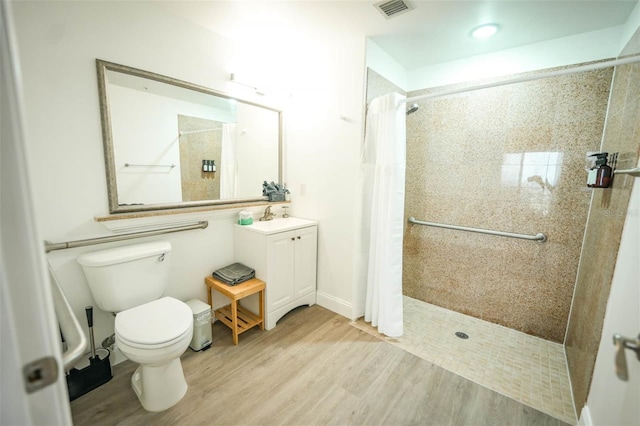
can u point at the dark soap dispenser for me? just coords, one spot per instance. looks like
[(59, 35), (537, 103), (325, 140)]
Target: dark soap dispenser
[(602, 173)]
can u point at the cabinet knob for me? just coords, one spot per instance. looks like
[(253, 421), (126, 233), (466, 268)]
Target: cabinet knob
[(293, 239), (298, 237)]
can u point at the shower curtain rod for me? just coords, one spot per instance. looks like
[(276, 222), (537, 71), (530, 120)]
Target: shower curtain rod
[(538, 237), (583, 68)]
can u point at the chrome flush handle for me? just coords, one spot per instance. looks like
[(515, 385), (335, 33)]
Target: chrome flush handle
[(621, 344)]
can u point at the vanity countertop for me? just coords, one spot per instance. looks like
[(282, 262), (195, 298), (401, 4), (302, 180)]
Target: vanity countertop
[(278, 225)]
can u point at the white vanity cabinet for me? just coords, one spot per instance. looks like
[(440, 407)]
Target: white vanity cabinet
[(284, 254)]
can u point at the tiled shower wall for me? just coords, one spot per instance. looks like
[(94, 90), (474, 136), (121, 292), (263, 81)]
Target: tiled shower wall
[(510, 158), (604, 228), (195, 147)]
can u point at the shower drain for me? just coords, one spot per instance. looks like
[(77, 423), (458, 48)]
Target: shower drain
[(462, 335)]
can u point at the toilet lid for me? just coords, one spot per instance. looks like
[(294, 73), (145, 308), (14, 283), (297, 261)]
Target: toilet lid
[(154, 323)]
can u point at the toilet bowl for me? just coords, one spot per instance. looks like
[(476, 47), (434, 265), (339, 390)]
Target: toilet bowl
[(150, 329), (154, 335)]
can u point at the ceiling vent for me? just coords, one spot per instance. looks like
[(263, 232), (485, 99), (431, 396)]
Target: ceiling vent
[(393, 8)]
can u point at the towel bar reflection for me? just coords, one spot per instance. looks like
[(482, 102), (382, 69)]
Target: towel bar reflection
[(149, 165), (540, 237)]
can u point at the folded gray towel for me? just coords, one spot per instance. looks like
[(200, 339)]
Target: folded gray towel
[(235, 273)]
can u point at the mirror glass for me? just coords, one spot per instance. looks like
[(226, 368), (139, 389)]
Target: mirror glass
[(171, 144)]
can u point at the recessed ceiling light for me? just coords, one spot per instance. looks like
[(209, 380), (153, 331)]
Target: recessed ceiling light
[(484, 31)]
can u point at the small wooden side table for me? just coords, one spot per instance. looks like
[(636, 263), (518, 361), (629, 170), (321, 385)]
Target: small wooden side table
[(234, 316)]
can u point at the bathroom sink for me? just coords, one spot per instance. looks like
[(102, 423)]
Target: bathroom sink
[(279, 225)]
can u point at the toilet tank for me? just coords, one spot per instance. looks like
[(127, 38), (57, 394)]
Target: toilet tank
[(124, 277)]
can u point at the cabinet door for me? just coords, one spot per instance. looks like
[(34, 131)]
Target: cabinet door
[(305, 260), (280, 263)]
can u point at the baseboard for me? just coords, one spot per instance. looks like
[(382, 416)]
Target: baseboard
[(334, 304), (357, 311), (585, 417)]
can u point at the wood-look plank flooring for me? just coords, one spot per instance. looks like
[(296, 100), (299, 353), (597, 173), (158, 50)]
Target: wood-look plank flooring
[(312, 369)]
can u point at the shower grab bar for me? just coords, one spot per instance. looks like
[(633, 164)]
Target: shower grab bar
[(149, 165), (49, 246), (538, 237), (633, 172)]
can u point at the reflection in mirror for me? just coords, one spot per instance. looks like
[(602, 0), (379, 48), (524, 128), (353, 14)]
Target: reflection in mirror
[(162, 138), (200, 146)]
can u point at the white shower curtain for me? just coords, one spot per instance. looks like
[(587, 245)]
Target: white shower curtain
[(383, 167), (229, 162)]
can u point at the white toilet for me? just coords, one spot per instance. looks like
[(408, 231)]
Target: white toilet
[(151, 330)]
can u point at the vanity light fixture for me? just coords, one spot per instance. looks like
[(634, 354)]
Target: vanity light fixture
[(484, 31), (234, 78)]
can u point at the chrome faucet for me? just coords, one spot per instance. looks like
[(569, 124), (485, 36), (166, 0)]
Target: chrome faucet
[(267, 214)]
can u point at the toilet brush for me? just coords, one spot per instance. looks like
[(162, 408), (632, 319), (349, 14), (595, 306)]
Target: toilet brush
[(97, 373), (89, 311)]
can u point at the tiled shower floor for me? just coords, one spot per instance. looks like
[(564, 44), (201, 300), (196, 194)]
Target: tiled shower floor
[(528, 369)]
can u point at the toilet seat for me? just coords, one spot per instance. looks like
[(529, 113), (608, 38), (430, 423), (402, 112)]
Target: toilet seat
[(153, 325)]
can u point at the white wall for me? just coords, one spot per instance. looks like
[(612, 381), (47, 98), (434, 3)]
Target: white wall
[(324, 134), (257, 149), (385, 65), (630, 27), (59, 42)]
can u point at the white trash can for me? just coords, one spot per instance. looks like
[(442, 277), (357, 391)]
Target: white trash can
[(201, 339)]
